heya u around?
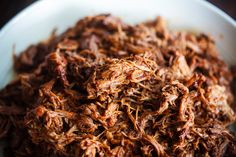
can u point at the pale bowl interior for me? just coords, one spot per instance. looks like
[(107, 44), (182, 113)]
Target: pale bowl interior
[(37, 22)]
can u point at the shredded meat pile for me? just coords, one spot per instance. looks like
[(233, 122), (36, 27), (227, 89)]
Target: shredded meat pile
[(106, 88)]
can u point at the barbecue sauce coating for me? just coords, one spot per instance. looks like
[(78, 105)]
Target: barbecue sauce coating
[(107, 88)]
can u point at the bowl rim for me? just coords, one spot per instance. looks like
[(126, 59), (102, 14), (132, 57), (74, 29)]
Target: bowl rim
[(11, 23)]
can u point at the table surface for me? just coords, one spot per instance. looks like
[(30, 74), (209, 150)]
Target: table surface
[(9, 8)]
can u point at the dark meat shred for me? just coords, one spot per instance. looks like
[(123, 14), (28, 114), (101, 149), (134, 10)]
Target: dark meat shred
[(106, 88)]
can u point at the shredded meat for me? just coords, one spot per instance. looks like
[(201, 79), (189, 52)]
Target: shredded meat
[(106, 88)]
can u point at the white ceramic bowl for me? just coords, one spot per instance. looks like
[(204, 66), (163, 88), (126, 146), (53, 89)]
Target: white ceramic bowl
[(36, 22)]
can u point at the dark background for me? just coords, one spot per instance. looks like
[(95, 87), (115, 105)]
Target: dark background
[(8, 8)]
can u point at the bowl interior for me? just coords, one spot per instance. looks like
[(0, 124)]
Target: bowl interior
[(37, 22)]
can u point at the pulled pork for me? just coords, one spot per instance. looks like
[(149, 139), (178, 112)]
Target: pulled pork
[(106, 88)]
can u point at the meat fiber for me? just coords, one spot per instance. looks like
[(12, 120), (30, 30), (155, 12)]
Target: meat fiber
[(106, 88)]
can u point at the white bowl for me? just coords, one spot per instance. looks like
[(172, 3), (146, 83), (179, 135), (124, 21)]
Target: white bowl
[(36, 22)]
